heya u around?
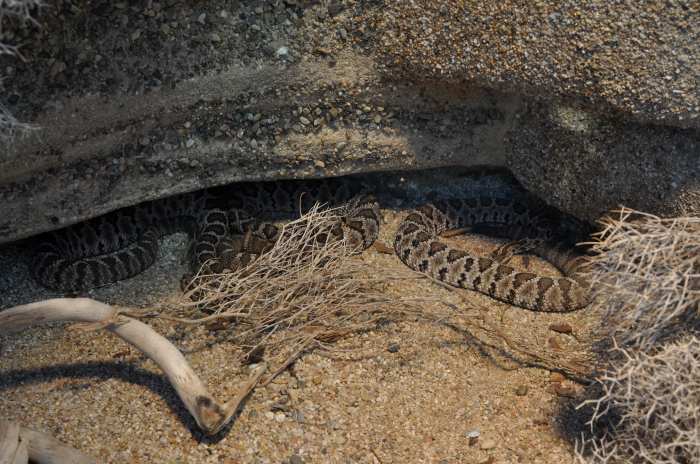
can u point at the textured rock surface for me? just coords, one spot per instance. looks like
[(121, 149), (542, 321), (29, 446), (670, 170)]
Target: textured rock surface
[(168, 144), (638, 58), (586, 163), (137, 102)]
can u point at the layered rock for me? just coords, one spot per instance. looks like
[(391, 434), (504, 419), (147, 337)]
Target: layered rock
[(591, 106)]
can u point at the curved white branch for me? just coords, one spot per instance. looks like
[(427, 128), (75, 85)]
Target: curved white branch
[(19, 445), (210, 415)]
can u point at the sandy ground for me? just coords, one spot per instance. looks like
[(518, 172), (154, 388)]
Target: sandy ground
[(406, 391)]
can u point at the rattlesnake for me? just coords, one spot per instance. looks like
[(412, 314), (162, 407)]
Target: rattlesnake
[(223, 224), (417, 245), (221, 221)]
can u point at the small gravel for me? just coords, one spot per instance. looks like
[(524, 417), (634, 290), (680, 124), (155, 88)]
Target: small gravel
[(642, 59)]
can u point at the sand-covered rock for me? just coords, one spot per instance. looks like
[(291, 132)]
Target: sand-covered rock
[(589, 105)]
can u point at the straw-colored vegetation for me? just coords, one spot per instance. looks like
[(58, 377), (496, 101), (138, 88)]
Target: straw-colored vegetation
[(647, 402), (306, 291)]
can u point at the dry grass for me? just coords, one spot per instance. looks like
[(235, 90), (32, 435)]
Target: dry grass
[(647, 270), (649, 409), (290, 300), (646, 405)]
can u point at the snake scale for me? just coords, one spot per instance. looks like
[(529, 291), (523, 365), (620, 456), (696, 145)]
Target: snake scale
[(418, 246), (224, 229), (222, 223)]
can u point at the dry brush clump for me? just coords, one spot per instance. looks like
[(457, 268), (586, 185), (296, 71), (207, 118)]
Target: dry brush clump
[(649, 408), (305, 291), (646, 401), (647, 273)]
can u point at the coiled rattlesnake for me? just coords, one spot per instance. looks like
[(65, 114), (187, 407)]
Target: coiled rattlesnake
[(222, 222), (225, 230), (417, 245)]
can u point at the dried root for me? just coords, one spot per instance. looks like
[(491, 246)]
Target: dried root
[(19, 445), (210, 415)]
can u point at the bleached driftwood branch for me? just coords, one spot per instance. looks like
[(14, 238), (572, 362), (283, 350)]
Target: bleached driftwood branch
[(19, 445), (210, 415)]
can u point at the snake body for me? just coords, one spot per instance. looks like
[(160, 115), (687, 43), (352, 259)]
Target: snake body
[(418, 246), (222, 223), (225, 232)]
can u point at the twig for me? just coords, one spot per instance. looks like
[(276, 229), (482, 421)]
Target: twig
[(20, 445), (209, 414), (290, 360)]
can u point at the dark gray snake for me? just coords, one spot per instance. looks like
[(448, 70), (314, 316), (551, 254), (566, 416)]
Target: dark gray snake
[(221, 221)]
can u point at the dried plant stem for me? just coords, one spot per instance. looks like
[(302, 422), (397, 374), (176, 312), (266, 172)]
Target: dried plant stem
[(647, 404), (21, 445), (209, 414)]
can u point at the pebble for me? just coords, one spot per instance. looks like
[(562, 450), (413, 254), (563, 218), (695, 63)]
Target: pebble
[(282, 52), (521, 390), (553, 343), (393, 347), (556, 377), (564, 390), (304, 121), (473, 437), (295, 459), (189, 143), (335, 7), (562, 327)]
